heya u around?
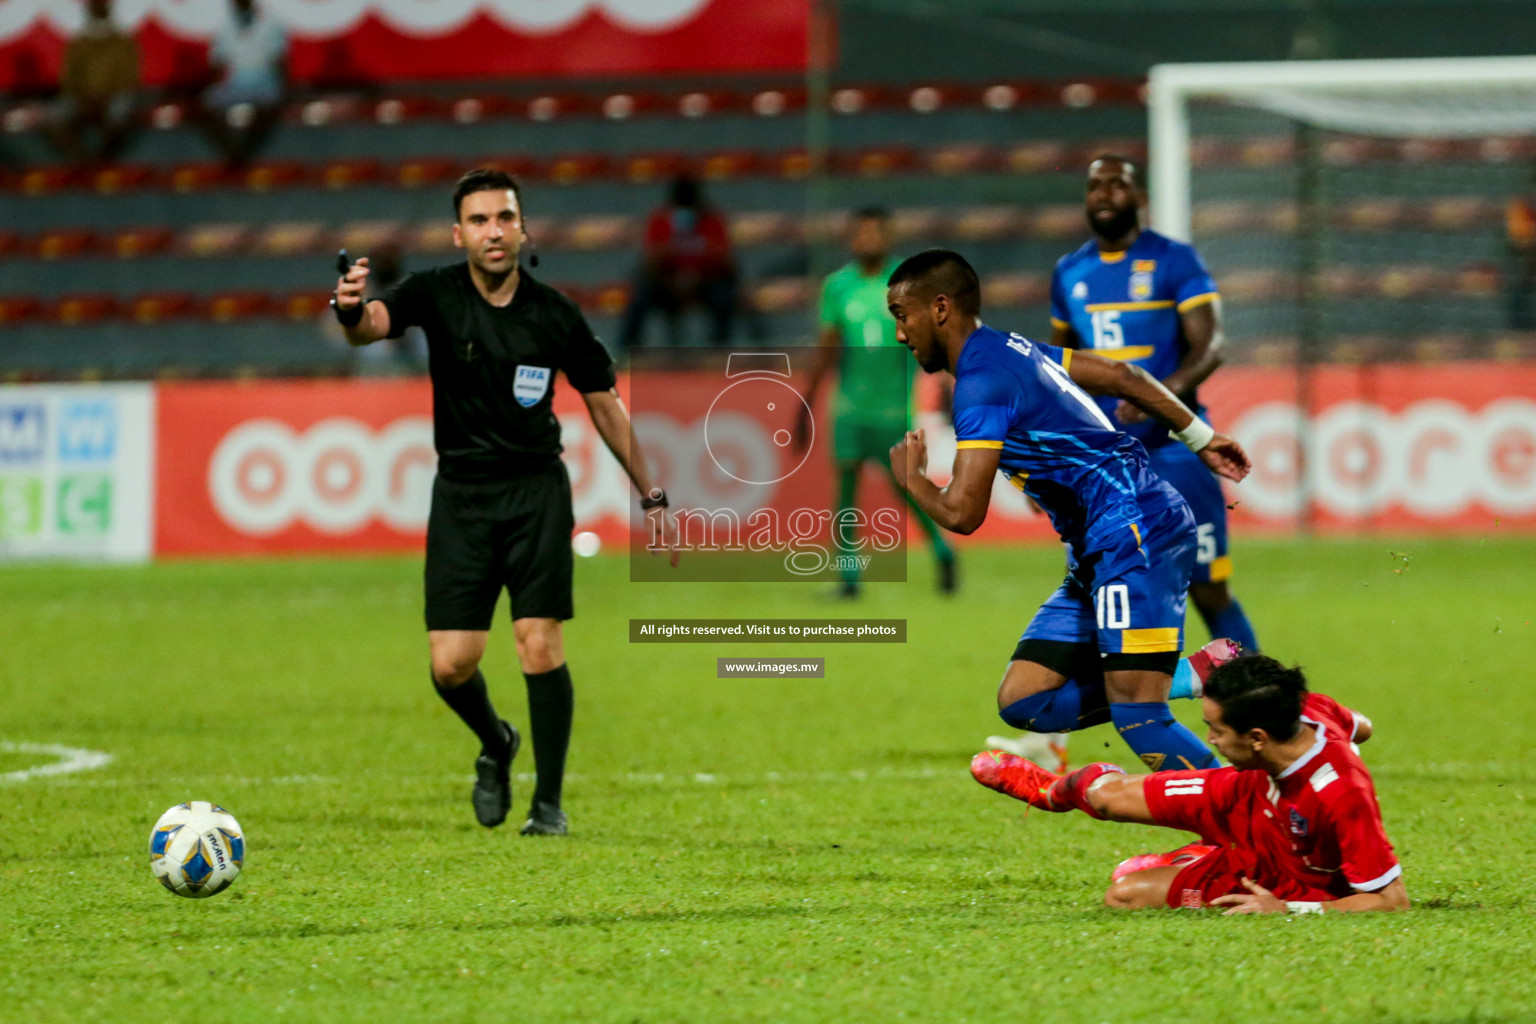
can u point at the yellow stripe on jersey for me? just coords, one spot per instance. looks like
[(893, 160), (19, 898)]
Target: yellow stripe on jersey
[(1221, 569), (1018, 479), (1198, 300), (1095, 307), (978, 444), (1149, 641), (1059, 323), (1137, 531), (1112, 257), (1066, 359), (1120, 355)]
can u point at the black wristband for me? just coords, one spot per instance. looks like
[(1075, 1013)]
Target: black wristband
[(656, 499), (347, 317)]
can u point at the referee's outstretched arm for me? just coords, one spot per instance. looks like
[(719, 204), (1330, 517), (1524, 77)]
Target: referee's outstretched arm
[(374, 323), (612, 422)]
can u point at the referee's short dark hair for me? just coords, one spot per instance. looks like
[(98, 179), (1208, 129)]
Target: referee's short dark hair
[(485, 179), (880, 213), (1256, 692), (941, 272)]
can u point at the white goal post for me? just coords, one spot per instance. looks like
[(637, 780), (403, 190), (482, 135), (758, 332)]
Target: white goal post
[(1436, 97)]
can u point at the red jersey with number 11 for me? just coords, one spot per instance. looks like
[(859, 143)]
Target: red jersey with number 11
[(1313, 832)]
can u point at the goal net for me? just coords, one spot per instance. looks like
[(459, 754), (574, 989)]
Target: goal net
[(1355, 211)]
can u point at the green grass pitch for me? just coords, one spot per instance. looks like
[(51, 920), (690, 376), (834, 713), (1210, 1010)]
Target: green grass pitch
[(743, 850)]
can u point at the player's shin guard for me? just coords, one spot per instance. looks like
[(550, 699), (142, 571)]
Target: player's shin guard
[(1233, 622), (1072, 705), (551, 706), (1072, 790), (1161, 742)]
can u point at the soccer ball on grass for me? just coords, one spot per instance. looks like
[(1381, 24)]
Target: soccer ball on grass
[(196, 849)]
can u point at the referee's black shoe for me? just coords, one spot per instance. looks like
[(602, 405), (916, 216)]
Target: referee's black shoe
[(545, 819), (492, 795)]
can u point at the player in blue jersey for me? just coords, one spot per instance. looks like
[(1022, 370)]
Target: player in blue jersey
[(1105, 645), (1140, 297)]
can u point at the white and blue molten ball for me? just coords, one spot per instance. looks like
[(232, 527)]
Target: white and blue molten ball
[(196, 849)]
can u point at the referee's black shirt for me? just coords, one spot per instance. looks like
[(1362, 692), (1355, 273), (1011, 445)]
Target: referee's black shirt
[(493, 368)]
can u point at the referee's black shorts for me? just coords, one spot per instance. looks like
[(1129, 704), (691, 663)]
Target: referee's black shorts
[(513, 533)]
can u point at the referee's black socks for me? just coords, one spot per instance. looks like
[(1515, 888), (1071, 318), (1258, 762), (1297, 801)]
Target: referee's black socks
[(470, 702), (551, 702)]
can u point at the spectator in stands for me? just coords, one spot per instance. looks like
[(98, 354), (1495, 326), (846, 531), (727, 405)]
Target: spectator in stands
[(687, 262), (98, 88), (1520, 239), (242, 106)]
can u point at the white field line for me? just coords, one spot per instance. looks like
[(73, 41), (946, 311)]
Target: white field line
[(659, 779), (70, 760)]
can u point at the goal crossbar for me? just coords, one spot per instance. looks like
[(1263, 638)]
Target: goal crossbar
[(1300, 88)]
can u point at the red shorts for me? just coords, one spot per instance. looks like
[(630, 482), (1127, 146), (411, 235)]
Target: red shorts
[(1231, 811)]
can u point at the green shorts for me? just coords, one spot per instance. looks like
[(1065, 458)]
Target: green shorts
[(857, 440)]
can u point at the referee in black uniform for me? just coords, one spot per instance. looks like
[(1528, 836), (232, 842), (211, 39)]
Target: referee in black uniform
[(501, 504)]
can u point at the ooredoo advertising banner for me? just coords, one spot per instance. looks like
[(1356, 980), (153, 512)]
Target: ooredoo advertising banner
[(76, 471), (392, 40), (333, 466), (294, 466), (1390, 447)]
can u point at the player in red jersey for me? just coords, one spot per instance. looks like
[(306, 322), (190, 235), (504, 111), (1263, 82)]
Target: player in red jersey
[(1291, 827)]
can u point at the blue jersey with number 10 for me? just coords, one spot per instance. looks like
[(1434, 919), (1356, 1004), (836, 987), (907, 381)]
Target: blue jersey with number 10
[(1126, 306), (1056, 444)]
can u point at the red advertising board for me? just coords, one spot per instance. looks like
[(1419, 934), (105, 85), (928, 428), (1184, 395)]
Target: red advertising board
[(294, 466), (1389, 447), (391, 40), (347, 466)]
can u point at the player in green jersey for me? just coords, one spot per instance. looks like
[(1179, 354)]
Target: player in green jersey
[(872, 406)]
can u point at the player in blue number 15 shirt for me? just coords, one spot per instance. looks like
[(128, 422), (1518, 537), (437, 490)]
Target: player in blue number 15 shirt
[(1104, 646), (1140, 297)]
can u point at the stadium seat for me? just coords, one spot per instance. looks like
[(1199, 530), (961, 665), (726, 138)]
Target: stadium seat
[(197, 177), (37, 181), (363, 237), (474, 109), (428, 171), (214, 240), (123, 177), (270, 175), (596, 232), (18, 308), (55, 245), (291, 238), (73, 310), (305, 305), (339, 174), (136, 242), (229, 306), (644, 168), (155, 308), (989, 223)]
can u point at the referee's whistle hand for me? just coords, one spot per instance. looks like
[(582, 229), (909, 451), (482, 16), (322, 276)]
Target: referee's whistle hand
[(350, 286)]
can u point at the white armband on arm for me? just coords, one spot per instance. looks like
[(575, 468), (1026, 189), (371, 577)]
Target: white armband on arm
[(1197, 435)]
